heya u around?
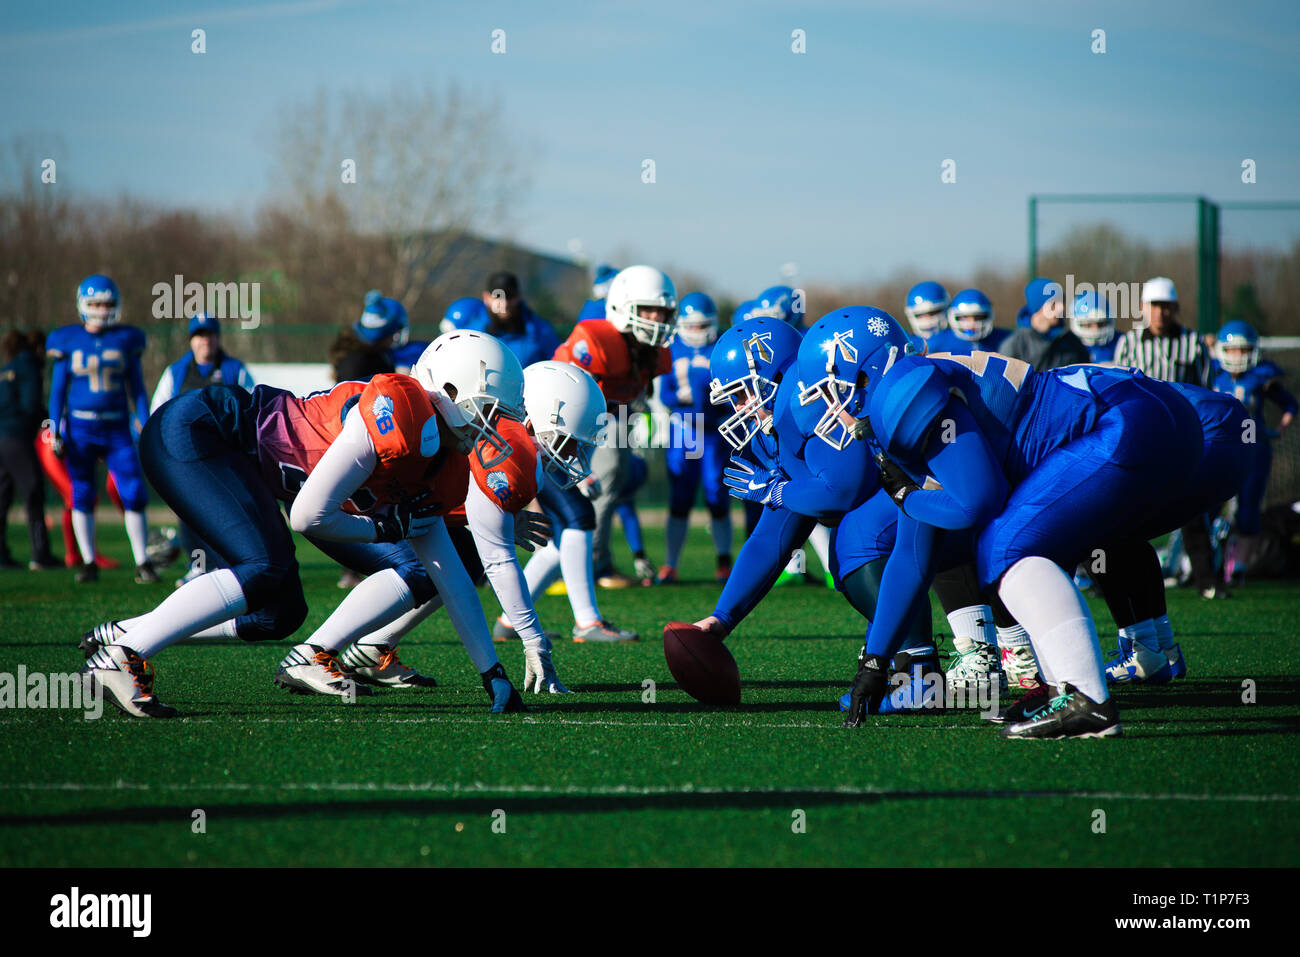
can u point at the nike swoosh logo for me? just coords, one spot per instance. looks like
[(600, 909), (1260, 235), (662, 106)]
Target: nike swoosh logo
[(755, 488)]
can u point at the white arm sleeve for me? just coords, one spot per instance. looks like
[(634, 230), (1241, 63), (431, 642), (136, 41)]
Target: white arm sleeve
[(346, 464), (493, 529), (458, 594), (166, 390)]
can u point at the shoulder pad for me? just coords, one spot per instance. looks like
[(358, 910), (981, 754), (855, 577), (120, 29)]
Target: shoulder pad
[(905, 402), (399, 417), (513, 483)]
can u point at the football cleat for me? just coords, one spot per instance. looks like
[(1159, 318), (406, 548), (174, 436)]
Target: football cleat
[(1177, 665), (644, 570), (1020, 667), (917, 683), (161, 549), (1134, 663), (722, 571), (603, 631), (1028, 706), (976, 666), (145, 575), (667, 575), (126, 680), (87, 573), (505, 699), (379, 665), (105, 633), (307, 669), (1071, 714), (614, 580)]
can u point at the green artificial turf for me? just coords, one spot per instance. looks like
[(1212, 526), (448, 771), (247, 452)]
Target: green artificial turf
[(605, 776)]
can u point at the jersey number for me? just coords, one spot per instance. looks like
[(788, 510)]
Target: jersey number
[(98, 370)]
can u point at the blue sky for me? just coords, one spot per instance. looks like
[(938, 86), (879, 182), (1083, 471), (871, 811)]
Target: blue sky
[(830, 159)]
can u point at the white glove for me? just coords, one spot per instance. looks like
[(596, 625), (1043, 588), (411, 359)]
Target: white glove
[(539, 671), (590, 487)]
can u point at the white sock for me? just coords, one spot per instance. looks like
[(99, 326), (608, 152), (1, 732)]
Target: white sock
[(675, 538), (973, 621), (542, 569), (1043, 599), (1013, 636), (196, 605), (820, 540), (1142, 633), (223, 629), (721, 531), (137, 532), (1164, 632), (83, 527), (375, 602), (579, 579), (391, 634)]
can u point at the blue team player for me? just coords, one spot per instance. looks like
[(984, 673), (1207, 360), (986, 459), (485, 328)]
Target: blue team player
[(97, 407), (1252, 382), (926, 309), (780, 302), (1037, 467), (696, 452), (1092, 319), (468, 312), (970, 327), (384, 325), (594, 308)]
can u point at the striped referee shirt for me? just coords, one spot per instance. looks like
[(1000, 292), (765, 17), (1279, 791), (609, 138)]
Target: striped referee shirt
[(1178, 358)]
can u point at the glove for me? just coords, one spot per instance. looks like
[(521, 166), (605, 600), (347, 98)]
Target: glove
[(870, 686), (505, 699), (590, 487), (409, 518), (532, 529), (56, 445), (539, 671), (752, 484), (684, 395), (894, 480)]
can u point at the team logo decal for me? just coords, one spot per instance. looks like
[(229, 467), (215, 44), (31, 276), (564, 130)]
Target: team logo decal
[(382, 410), (759, 347), (840, 343), (581, 352), (499, 485), (877, 326)]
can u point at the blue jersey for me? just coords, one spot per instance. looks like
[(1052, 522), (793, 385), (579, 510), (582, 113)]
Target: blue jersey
[(537, 342), (592, 309), (686, 388), (405, 357), (97, 376), (1255, 385), (945, 340)]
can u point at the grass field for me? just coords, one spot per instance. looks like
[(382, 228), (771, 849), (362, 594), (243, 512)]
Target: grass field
[(602, 777)]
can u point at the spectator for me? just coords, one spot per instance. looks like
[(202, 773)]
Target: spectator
[(1045, 343), (526, 334), (21, 412)]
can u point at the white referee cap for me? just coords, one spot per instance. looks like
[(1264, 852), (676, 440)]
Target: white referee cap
[(1159, 289)]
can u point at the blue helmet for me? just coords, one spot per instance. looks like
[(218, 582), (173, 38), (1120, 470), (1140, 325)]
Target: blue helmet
[(744, 311), (780, 302), (842, 357), (1092, 319), (970, 315), (465, 313), (1237, 347), (747, 365), (600, 286), (697, 319), (382, 318), (98, 300), (925, 307)]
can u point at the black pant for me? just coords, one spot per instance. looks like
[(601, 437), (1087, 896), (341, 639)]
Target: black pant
[(19, 468)]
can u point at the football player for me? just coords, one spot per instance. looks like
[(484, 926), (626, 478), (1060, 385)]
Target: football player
[(1252, 382), (1092, 319), (594, 308), (1035, 467), (780, 302), (364, 463), (696, 452), (970, 327), (467, 312), (98, 406), (926, 308), (385, 326)]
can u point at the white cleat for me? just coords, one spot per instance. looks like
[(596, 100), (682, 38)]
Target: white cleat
[(603, 631), (1020, 667), (105, 633), (379, 665), (976, 667), (307, 669), (126, 680)]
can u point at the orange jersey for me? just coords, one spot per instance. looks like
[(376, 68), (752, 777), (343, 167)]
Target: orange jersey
[(415, 450), (513, 483), (595, 345)]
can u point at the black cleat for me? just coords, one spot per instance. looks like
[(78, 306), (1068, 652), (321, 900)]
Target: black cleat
[(87, 573), (1032, 702), (145, 575), (1071, 714)]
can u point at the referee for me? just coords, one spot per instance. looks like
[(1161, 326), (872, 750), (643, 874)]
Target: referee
[(1163, 349)]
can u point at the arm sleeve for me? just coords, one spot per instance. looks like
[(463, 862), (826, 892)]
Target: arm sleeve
[(1284, 399), (833, 484), (438, 555), (907, 576), (974, 488), (345, 466), (136, 391), (165, 391), (764, 554), (493, 529), (59, 396)]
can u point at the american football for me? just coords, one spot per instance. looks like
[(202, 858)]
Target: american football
[(701, 664)]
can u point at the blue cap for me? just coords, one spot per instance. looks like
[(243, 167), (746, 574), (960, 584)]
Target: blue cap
[(202, 322), (1040, 292)]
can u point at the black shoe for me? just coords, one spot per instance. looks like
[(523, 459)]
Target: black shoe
[(87, 573), (1071, 714), (44, 564), (1032, 702), (145, 575), (105, 633)]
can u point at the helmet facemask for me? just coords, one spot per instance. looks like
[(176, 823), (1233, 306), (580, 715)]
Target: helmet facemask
[(748, 395), (473, 418), (1237, 356)]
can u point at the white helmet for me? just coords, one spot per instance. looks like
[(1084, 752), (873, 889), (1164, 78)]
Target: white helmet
[(566, 410), (635, 288), (473, 378)]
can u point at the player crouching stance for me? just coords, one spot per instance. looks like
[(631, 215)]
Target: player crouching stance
[(366, 463), (1036, 467)]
